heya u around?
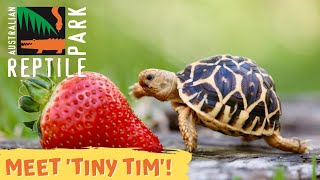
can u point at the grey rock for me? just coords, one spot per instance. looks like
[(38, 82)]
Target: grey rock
[(221, 157)]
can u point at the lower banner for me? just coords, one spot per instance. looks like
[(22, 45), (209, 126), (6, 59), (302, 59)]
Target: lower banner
[(100, 163)]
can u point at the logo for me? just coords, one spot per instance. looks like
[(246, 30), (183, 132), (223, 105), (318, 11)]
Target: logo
[(41, 31), (34, 31)]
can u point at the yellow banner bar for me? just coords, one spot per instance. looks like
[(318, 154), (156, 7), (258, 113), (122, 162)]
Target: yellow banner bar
[(101, 163)]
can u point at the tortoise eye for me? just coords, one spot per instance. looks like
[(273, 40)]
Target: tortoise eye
[(150, 77)]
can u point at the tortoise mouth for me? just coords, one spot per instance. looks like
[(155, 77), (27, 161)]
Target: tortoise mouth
[(143, 84)]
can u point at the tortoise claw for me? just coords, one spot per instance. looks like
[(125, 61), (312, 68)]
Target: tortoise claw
[(305, 143), (191, 148)]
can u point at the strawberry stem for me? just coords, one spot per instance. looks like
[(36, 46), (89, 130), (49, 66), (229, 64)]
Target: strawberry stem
[(53, 76)]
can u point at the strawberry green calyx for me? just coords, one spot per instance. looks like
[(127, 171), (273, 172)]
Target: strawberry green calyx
[(34, 126), (50, 80), (44, 84), (39, 89), (36, 91), (28, 104)]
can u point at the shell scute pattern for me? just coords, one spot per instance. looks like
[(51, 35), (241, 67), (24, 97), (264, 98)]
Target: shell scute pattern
[(202, 71), (204, 88), (251, 88), (186, 74), (211, 59), (231, 94), (225, 81)]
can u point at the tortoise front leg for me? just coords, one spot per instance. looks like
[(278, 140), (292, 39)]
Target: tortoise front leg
[(187, 121), (136, 91)]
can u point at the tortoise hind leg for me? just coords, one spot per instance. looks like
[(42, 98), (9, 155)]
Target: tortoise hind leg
[(294, 145)]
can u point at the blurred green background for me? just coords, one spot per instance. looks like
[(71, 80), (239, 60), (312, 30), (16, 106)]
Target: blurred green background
[(124, 37)]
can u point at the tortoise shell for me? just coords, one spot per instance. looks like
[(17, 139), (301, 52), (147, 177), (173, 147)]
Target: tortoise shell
[(232, 95)]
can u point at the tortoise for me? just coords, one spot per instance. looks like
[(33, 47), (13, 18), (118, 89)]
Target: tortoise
[(228, 94)]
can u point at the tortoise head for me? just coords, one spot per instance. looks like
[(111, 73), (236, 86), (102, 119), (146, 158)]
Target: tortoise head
[(158, 83)]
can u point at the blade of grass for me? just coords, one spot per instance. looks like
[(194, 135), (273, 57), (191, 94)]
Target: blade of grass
[(236, 178), (279, 173), (314, 167)]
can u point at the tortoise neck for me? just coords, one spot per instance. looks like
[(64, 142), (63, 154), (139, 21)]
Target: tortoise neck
[(170, 92), (173, 93)]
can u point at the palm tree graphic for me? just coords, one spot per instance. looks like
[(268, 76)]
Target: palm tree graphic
[(35, 19), (43, 27)]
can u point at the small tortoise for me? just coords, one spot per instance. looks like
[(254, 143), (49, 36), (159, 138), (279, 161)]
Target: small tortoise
[(228, 94)]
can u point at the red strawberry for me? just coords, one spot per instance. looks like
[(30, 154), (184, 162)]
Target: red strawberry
[(85, 111)]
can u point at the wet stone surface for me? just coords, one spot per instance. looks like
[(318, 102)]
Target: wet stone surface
[(224, 157), (221, 157), (14, 144)]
